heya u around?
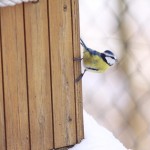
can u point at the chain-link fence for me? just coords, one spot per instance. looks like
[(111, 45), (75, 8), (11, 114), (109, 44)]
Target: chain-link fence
[(120, 98)]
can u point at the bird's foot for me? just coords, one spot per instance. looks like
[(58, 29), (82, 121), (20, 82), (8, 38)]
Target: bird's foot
[(77, 59), (80, 76), (35, 1)]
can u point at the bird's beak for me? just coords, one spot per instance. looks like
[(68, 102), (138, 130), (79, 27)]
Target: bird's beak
[(116, 60)]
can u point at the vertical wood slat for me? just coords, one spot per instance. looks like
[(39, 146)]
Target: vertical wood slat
[(2, 124), (13, 52), (38, 64), (62, 73), (77, 69)]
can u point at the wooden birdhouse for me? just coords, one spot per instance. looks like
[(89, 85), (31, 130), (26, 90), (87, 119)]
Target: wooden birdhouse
[(40, 103)]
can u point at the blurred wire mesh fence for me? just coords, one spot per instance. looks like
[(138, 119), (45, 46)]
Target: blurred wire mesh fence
[(120, 98)]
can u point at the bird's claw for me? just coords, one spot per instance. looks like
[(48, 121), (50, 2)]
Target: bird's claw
[(77, 59), (35, 1)]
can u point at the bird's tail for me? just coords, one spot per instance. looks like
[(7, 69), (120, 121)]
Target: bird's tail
[(85, 47), (83, 44)]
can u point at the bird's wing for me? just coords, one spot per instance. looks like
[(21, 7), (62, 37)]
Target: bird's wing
[(94, 52)]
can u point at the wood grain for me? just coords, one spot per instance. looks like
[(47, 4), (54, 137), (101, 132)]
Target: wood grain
[(62, 73), (77, 69), (13, 51), (39, 84), (2, 121)]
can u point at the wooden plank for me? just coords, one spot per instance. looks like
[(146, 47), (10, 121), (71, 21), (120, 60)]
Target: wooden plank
[(2, 124), (62, 73), (39, 85), (77, 68), (13, 51)]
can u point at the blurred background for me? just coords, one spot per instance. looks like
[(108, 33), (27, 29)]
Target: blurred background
[(120, 98)]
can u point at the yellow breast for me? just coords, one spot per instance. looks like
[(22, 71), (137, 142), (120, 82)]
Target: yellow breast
[(94, 61)]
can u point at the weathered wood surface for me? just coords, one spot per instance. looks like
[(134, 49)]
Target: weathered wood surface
[(62, 72), (14, 72), (40, 104), (77, 69), (2, 121), (38, 64)]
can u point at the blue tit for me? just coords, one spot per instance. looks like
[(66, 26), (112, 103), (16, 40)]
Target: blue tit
[(95, 61)]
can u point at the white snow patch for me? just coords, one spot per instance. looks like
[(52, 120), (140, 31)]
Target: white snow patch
[(97, 137), (4, 3)]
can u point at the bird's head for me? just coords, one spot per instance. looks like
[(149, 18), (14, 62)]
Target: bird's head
[(109, 57)]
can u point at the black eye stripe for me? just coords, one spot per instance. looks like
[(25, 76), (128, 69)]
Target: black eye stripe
[(104, 58), (110, 57)]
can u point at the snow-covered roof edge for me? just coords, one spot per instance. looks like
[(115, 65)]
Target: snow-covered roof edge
[(4, 3)]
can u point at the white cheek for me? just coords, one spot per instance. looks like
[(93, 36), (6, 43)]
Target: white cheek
[(110, 60)]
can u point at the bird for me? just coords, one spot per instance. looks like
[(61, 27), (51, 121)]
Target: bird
[(95, 61)]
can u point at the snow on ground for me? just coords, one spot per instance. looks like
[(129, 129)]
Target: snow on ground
[(97, 137)]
